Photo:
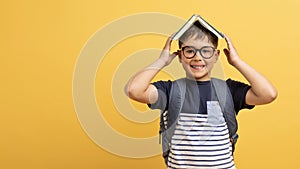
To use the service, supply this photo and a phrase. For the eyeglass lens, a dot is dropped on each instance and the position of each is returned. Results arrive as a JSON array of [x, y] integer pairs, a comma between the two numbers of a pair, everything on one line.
[[206, 51]]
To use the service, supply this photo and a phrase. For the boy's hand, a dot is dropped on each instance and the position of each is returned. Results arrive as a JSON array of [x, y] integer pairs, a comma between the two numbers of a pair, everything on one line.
[[165, 55], [261, 91], [230, 52], [139, 87]]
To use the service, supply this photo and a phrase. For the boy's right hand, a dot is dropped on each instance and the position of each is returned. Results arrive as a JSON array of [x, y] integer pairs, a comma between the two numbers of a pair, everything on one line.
[[139, 87], [165, 55]]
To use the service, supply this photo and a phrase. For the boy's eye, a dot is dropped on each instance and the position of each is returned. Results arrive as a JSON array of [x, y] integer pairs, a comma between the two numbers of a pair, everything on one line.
[[190, 51], [206, 51]]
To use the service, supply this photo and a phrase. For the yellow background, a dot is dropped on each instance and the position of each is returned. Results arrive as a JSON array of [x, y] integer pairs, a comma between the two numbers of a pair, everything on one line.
[[40, 43]]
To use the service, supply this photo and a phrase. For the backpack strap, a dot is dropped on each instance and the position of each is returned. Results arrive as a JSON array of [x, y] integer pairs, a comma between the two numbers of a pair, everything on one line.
[[176, 100], [227, 106]]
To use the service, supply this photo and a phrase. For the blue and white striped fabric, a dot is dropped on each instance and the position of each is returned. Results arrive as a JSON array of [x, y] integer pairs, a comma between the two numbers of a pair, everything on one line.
[[198, 144]]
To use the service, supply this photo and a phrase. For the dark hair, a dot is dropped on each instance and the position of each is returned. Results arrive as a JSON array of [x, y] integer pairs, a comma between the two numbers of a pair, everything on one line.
[[198, 31]]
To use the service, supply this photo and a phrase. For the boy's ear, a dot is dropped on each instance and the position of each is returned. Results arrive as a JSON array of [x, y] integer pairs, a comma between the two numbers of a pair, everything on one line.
[[217, 55], [179, 56]]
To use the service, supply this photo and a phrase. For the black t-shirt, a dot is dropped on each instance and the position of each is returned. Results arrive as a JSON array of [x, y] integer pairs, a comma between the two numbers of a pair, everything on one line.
[[238, 91]]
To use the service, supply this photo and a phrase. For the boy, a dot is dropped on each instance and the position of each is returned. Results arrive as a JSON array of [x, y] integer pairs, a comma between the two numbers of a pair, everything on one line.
[[190, 147]]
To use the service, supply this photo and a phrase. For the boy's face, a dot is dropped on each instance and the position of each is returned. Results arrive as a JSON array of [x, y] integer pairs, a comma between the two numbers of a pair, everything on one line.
[[198, 68]]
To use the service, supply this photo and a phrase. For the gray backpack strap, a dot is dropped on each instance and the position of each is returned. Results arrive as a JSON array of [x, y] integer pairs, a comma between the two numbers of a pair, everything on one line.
[[176, 100], [227, 106]]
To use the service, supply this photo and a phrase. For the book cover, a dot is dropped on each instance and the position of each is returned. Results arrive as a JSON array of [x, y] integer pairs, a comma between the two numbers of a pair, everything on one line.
[[204, 23]]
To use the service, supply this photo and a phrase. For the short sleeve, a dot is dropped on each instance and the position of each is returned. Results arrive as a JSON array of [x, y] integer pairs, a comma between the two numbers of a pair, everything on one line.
[[163, 89], [238, 91]]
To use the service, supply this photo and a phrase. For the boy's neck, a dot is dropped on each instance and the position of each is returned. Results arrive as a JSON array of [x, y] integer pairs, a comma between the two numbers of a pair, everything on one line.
[[199, 80]]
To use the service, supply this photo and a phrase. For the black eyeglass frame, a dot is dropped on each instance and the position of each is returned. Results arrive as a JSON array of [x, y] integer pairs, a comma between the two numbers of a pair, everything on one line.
[[199, 50]]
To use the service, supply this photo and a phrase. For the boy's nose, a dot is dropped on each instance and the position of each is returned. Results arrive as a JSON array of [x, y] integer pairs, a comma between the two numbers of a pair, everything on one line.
[[198, 56]]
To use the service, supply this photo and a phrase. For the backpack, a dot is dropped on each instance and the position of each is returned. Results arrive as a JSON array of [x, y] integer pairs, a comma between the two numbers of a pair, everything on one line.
[[178, 91]]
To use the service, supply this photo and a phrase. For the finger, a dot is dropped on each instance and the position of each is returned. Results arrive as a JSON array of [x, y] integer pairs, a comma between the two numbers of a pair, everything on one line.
[[226, 52], [169, 41], [172, 36], [228, 40], [231, 46], [174, 54], [168, 44], [226, 37]]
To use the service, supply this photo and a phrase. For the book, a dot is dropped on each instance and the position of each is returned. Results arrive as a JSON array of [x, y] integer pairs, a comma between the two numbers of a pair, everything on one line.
[[204, 23]]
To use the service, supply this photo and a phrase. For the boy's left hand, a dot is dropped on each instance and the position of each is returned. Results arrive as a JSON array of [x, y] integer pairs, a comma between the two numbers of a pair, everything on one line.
[[261, 91], [230, 52]]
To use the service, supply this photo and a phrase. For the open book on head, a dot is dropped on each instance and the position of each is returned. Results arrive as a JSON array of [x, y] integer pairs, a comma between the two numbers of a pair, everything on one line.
[[204, 23]]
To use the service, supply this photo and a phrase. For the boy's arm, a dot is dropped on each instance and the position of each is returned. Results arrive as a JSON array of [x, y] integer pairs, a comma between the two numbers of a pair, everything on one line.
[[139, 86], [262, 91]]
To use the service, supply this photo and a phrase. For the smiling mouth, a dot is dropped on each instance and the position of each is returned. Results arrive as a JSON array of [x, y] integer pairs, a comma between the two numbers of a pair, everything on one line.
[[198, 67]]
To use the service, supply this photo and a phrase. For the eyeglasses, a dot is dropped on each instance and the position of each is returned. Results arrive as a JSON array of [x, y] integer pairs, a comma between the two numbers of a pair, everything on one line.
[[206, 51]]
